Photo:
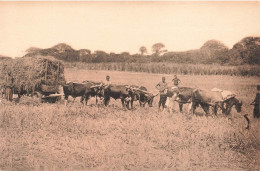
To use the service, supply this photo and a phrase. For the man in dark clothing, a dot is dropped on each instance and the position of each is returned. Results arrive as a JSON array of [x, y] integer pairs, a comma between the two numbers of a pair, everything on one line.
[[256, 103], [2, 91], [176, 81], [9, 87], [161, 86]]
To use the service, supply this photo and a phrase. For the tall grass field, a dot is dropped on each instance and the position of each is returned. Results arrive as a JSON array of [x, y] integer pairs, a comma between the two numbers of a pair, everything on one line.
[[41, 136], [172, 68]]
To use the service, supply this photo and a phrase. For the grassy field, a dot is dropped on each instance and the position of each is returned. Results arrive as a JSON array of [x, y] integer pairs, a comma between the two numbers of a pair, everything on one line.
[[76, 137]]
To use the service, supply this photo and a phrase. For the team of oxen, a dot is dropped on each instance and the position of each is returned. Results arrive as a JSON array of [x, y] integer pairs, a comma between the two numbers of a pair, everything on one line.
[[126, 93], [214, 99], [195, 97]]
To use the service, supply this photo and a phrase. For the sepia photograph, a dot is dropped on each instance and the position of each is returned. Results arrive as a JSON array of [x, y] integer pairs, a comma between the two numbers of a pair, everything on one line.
[[130, 85]]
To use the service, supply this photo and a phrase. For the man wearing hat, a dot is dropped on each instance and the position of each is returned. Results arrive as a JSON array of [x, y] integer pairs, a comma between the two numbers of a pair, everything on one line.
[[161, 86]]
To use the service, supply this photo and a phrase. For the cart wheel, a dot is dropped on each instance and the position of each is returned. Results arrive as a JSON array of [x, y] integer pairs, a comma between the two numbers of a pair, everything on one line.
[[58, 99], [39, 95]]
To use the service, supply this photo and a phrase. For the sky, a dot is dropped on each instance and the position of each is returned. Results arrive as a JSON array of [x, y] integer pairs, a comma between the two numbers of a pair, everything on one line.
[[124, 26]]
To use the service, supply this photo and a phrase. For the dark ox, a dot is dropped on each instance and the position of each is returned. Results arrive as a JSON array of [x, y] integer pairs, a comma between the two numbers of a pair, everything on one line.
[[207, 99], [83, 90], [229, 103], [146, 97], [98, 89], [182, 95], [143, 96], [122, 92]]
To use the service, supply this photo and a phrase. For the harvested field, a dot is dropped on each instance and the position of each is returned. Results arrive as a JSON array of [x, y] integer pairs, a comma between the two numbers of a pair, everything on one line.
[[55, 137]]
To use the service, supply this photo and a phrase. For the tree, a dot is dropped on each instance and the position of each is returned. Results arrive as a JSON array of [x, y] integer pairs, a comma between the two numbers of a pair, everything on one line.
[[84, 51], [125, 54], [143, 50], [33, 50], [157, 48], [100, 56], [84, 55], [248, 49]]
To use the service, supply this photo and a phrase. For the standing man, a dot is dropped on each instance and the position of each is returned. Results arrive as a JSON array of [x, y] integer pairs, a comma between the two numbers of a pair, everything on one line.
[[9, 86], [256, 103], [176, 81], [161, 86], [2, 91], [107, 80], [105, 86]]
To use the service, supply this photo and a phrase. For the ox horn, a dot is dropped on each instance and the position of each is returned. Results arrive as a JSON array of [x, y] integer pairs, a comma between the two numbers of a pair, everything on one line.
[[156, 94], [95, 86], [128, 87], [145, 92], [149, 94]]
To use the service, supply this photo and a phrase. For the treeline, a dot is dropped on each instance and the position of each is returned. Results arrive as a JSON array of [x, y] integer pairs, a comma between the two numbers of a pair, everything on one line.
[[246, 51], [4, 57], [171, 68]]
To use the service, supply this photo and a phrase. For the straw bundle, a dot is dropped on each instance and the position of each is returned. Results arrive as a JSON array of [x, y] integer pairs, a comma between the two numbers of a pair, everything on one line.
[[32, 72]]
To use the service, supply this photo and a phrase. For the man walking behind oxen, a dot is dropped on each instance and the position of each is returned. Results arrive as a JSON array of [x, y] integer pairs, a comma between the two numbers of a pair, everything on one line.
[[256, 103], [9, 86], [176, 81], [161, 86]]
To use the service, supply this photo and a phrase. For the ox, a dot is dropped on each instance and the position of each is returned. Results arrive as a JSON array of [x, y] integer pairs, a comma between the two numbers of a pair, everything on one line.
[[214, 99], [182, 95], [146, 97], [83, 90], [97, 87], [229, 100], [122, 92], [229, 103], [141, 94]]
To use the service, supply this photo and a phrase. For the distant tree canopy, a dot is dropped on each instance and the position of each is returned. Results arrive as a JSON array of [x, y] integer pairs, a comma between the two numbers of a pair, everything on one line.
[[33, 50], [143, 50], [246, 51], [2, 57], [157, 48], [213, 45], [100, 56]]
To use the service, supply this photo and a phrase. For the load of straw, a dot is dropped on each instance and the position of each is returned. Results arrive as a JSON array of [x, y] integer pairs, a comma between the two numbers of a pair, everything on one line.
[[31, 72]]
